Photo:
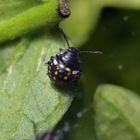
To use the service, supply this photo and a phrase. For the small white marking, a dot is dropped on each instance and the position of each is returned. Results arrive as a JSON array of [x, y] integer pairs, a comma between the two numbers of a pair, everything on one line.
[[63, 58], [55, 62], [54, 78], [61, 66], [67, 69], [75, 72], [66, 56]]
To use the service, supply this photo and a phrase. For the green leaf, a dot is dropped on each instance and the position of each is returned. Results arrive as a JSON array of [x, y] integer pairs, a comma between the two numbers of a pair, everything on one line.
[[15, 7], [117, 113], [27, 97], [27, 21]]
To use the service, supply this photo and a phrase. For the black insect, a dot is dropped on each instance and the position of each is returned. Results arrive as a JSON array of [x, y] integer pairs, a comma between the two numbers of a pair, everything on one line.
[[64, 68]]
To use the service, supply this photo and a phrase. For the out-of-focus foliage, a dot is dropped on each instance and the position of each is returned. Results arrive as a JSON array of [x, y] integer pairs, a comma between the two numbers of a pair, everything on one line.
[[117, 112], [116, 34], [85, 15], [83, 19]]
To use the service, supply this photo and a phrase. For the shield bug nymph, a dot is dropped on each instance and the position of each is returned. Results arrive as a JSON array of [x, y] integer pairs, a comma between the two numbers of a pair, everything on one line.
[[65, 67]]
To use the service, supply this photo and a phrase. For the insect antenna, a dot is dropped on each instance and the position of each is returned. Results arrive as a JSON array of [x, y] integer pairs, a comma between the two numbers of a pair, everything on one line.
[[65, 37], [90, 52]]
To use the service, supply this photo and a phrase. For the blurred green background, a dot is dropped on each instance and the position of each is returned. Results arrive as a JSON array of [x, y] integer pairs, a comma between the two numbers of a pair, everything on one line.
[[114, 30]]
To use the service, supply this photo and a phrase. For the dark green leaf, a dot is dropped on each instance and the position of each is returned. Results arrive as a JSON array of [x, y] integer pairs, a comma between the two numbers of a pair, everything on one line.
[[117, 113]]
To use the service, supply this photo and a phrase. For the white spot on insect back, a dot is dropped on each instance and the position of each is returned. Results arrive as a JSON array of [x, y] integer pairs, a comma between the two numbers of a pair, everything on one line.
[[55, 62], [67, 69], [61, 66], [75, 72], [64, 58]]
